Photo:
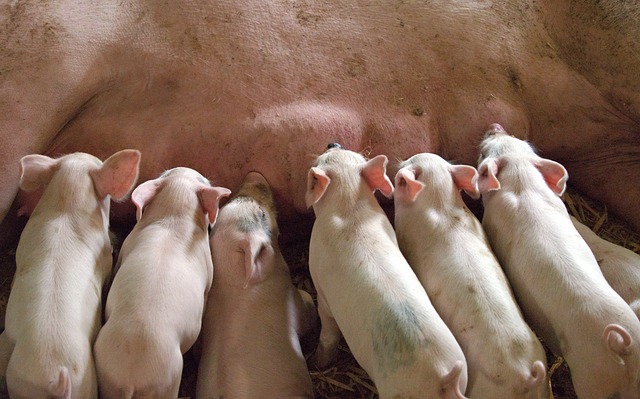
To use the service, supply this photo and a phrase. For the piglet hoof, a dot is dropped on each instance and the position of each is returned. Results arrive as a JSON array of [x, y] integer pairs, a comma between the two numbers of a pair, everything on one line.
[[618, 341], [320, 359]]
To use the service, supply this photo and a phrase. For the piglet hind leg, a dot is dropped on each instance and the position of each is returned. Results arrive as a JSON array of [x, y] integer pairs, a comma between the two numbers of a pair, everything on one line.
[[329, 335], [307, 313], [6, 348]]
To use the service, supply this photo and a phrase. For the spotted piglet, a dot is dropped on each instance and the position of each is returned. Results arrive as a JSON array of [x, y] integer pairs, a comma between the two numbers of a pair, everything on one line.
[[155, 306], [447, 248], [555, 277], [62, 262], [255, 316], [367, 290], [620, 266]]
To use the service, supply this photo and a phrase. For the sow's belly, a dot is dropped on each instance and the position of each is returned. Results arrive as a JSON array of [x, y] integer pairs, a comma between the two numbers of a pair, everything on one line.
[[224, 141]]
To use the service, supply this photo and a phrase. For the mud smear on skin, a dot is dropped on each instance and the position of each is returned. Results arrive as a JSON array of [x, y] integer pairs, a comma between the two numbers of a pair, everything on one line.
[[345, 379]]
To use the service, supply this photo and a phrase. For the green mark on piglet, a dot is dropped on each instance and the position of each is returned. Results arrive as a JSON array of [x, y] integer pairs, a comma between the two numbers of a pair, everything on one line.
[[397, 335]]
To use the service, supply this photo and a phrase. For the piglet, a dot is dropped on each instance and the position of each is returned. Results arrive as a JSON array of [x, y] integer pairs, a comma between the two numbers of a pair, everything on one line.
[[620, 266], [555, 277], [155, 305], [367, 290], [255, 316], [447, 248], [62, 262]]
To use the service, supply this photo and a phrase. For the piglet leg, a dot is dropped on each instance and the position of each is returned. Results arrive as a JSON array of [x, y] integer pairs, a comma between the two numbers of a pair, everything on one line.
[[329, 335]]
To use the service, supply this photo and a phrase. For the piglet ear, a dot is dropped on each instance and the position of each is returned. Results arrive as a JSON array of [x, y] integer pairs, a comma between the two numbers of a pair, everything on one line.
[[407, 186], [375, 174], [143, 194], [555, 175], [488, 170], [466, 178], [36, 171], [210, 200], [317, 183], [257, 257], [118, 174]]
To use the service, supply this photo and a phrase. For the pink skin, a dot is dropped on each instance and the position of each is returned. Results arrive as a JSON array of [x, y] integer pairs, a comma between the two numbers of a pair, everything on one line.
[[367, 291], [620, 266], [230, 87], [155, 305], [62, 262], [554, 275], [255, 316], [447, 249]]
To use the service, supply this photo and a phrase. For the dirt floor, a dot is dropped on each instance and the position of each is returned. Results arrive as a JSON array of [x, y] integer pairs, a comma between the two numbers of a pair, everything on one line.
[[345, 379]]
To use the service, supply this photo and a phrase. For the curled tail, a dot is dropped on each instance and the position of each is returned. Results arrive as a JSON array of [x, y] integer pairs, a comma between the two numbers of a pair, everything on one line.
[[451, 382], [538, 375], [619, 341], [61, 388]]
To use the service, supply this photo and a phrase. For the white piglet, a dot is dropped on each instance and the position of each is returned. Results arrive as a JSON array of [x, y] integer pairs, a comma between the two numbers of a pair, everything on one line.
[[62, 262], [447, 248], [367, 290], [155, 305], [619, 265], [555, 277], [255, 316]]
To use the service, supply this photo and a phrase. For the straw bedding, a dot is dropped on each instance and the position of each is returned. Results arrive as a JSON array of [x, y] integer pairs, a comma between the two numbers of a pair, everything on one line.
[[345, 379]]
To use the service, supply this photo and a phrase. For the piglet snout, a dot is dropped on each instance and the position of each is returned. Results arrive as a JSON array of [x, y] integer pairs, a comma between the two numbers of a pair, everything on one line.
[[332, 146]]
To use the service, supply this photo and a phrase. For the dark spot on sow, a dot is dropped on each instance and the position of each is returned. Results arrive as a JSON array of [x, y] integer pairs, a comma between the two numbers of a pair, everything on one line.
[[514, 78]]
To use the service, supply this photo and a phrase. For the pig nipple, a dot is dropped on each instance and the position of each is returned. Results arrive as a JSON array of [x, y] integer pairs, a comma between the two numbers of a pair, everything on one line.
[[495, 128], [332, 146]]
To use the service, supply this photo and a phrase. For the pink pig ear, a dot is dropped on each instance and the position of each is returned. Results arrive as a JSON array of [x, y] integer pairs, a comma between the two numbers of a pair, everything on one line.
[[118, 174], [555, 175], [488, 170], [407, 186], [210, 200], [466, 178], [375, 174], [257, 257], [143, 194], [36, 171], [317, 183]]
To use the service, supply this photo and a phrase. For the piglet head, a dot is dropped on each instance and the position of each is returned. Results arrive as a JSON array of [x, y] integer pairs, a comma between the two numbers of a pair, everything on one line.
[[208, 196], [340, 161], [553, 173], [430, 169]]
